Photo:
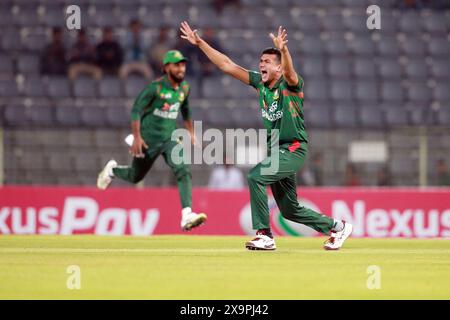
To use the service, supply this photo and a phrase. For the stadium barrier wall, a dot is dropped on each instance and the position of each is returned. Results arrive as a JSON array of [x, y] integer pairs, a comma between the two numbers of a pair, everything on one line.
[[142, 212]]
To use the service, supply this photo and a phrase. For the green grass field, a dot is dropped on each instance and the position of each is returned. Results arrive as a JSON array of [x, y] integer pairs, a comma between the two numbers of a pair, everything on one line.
[[205, 267]]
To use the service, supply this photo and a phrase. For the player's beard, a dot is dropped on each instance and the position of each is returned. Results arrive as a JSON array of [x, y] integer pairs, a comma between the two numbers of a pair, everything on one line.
[[176, 78]]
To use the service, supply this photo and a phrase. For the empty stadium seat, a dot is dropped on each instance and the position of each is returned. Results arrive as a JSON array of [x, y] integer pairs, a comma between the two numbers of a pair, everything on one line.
[[308, 23], [6, 65], [316, 90], [339, 68], [118, 117], [390, 69], [134, 85], [364, 68], [84, 88], [392, 92], [68, 116], [110, 88], [362, 46], [410, 23], [341, 91], [440, 68], [213, 87], [396, 116], [441, 93], [439, 47], [8, 88], [388, 46], [15, 115], [435, 23], [58, 87], [345, 117], [313, 68], [28, 64], [371, 117], [93, 116], [419, 92], [366, 91], [42, 116], [318, 116], [414, 47], [221, 117], [417, 69]]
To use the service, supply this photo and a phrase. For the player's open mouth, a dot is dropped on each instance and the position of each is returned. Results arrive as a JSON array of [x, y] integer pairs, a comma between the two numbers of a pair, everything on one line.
[[263, 71]]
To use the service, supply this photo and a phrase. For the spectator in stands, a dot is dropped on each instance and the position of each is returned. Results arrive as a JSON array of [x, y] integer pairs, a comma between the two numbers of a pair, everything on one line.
[[351, 176], [443, 175], [82, 58], [162, 45], [219, 5], [53, 59], [226, 177], [136, 53], [109, 53], [384, 177]]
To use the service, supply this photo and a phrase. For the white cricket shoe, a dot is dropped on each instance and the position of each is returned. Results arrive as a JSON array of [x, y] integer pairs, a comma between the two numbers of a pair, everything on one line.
[[106, 175], [337, 239], [261, 242], [192, 220]]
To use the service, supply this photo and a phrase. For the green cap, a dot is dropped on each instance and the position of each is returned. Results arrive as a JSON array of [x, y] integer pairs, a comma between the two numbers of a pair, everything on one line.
[[173, 56]]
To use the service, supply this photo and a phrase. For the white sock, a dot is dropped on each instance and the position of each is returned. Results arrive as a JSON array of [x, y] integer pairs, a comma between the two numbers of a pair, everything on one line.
[[338, 225], [186, 211]]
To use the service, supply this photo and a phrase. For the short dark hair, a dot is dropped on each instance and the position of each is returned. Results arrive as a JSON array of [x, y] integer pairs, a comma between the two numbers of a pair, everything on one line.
[[274, 51]]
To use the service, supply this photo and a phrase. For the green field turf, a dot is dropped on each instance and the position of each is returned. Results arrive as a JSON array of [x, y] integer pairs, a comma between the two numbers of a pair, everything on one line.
[[205, 267]]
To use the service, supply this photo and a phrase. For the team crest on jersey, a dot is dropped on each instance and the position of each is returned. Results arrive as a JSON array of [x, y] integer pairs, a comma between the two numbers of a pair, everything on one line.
[[276, 95]]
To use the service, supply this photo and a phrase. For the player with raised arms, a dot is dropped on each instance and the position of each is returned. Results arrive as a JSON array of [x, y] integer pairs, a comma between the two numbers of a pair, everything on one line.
[[280, 91]]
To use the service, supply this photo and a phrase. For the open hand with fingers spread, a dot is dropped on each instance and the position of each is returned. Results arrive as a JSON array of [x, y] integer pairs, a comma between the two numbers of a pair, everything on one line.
[[280, 41], [189, 34]]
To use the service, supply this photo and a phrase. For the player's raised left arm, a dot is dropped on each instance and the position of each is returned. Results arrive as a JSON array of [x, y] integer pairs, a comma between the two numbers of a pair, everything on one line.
[[280, 41]]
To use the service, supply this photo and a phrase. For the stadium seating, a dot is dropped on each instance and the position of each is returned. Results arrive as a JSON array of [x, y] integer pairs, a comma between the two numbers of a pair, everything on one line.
[[354, 78]]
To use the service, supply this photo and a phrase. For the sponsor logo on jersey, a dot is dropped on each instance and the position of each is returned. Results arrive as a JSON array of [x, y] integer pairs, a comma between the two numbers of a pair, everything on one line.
[[273, 107], [168, 111], [272, 117]]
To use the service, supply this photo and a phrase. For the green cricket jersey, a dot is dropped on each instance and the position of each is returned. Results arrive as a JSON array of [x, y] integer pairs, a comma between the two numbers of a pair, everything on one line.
[[282, 108], [157, 108]]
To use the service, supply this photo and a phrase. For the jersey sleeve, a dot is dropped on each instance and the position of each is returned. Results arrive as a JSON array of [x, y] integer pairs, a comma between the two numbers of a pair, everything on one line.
[[255, 78], [296, 88], [144, 98]]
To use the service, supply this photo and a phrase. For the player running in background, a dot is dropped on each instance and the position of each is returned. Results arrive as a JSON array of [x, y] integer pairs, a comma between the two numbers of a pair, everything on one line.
[[153, 118], [280, 91]]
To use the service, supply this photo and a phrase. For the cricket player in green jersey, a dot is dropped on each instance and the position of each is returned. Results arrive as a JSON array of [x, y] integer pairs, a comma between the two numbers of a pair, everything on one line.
[[280, 91], [153, 120]]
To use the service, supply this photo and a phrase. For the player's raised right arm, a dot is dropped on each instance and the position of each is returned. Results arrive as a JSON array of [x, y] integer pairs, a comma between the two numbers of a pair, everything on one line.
[[222, 61]]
